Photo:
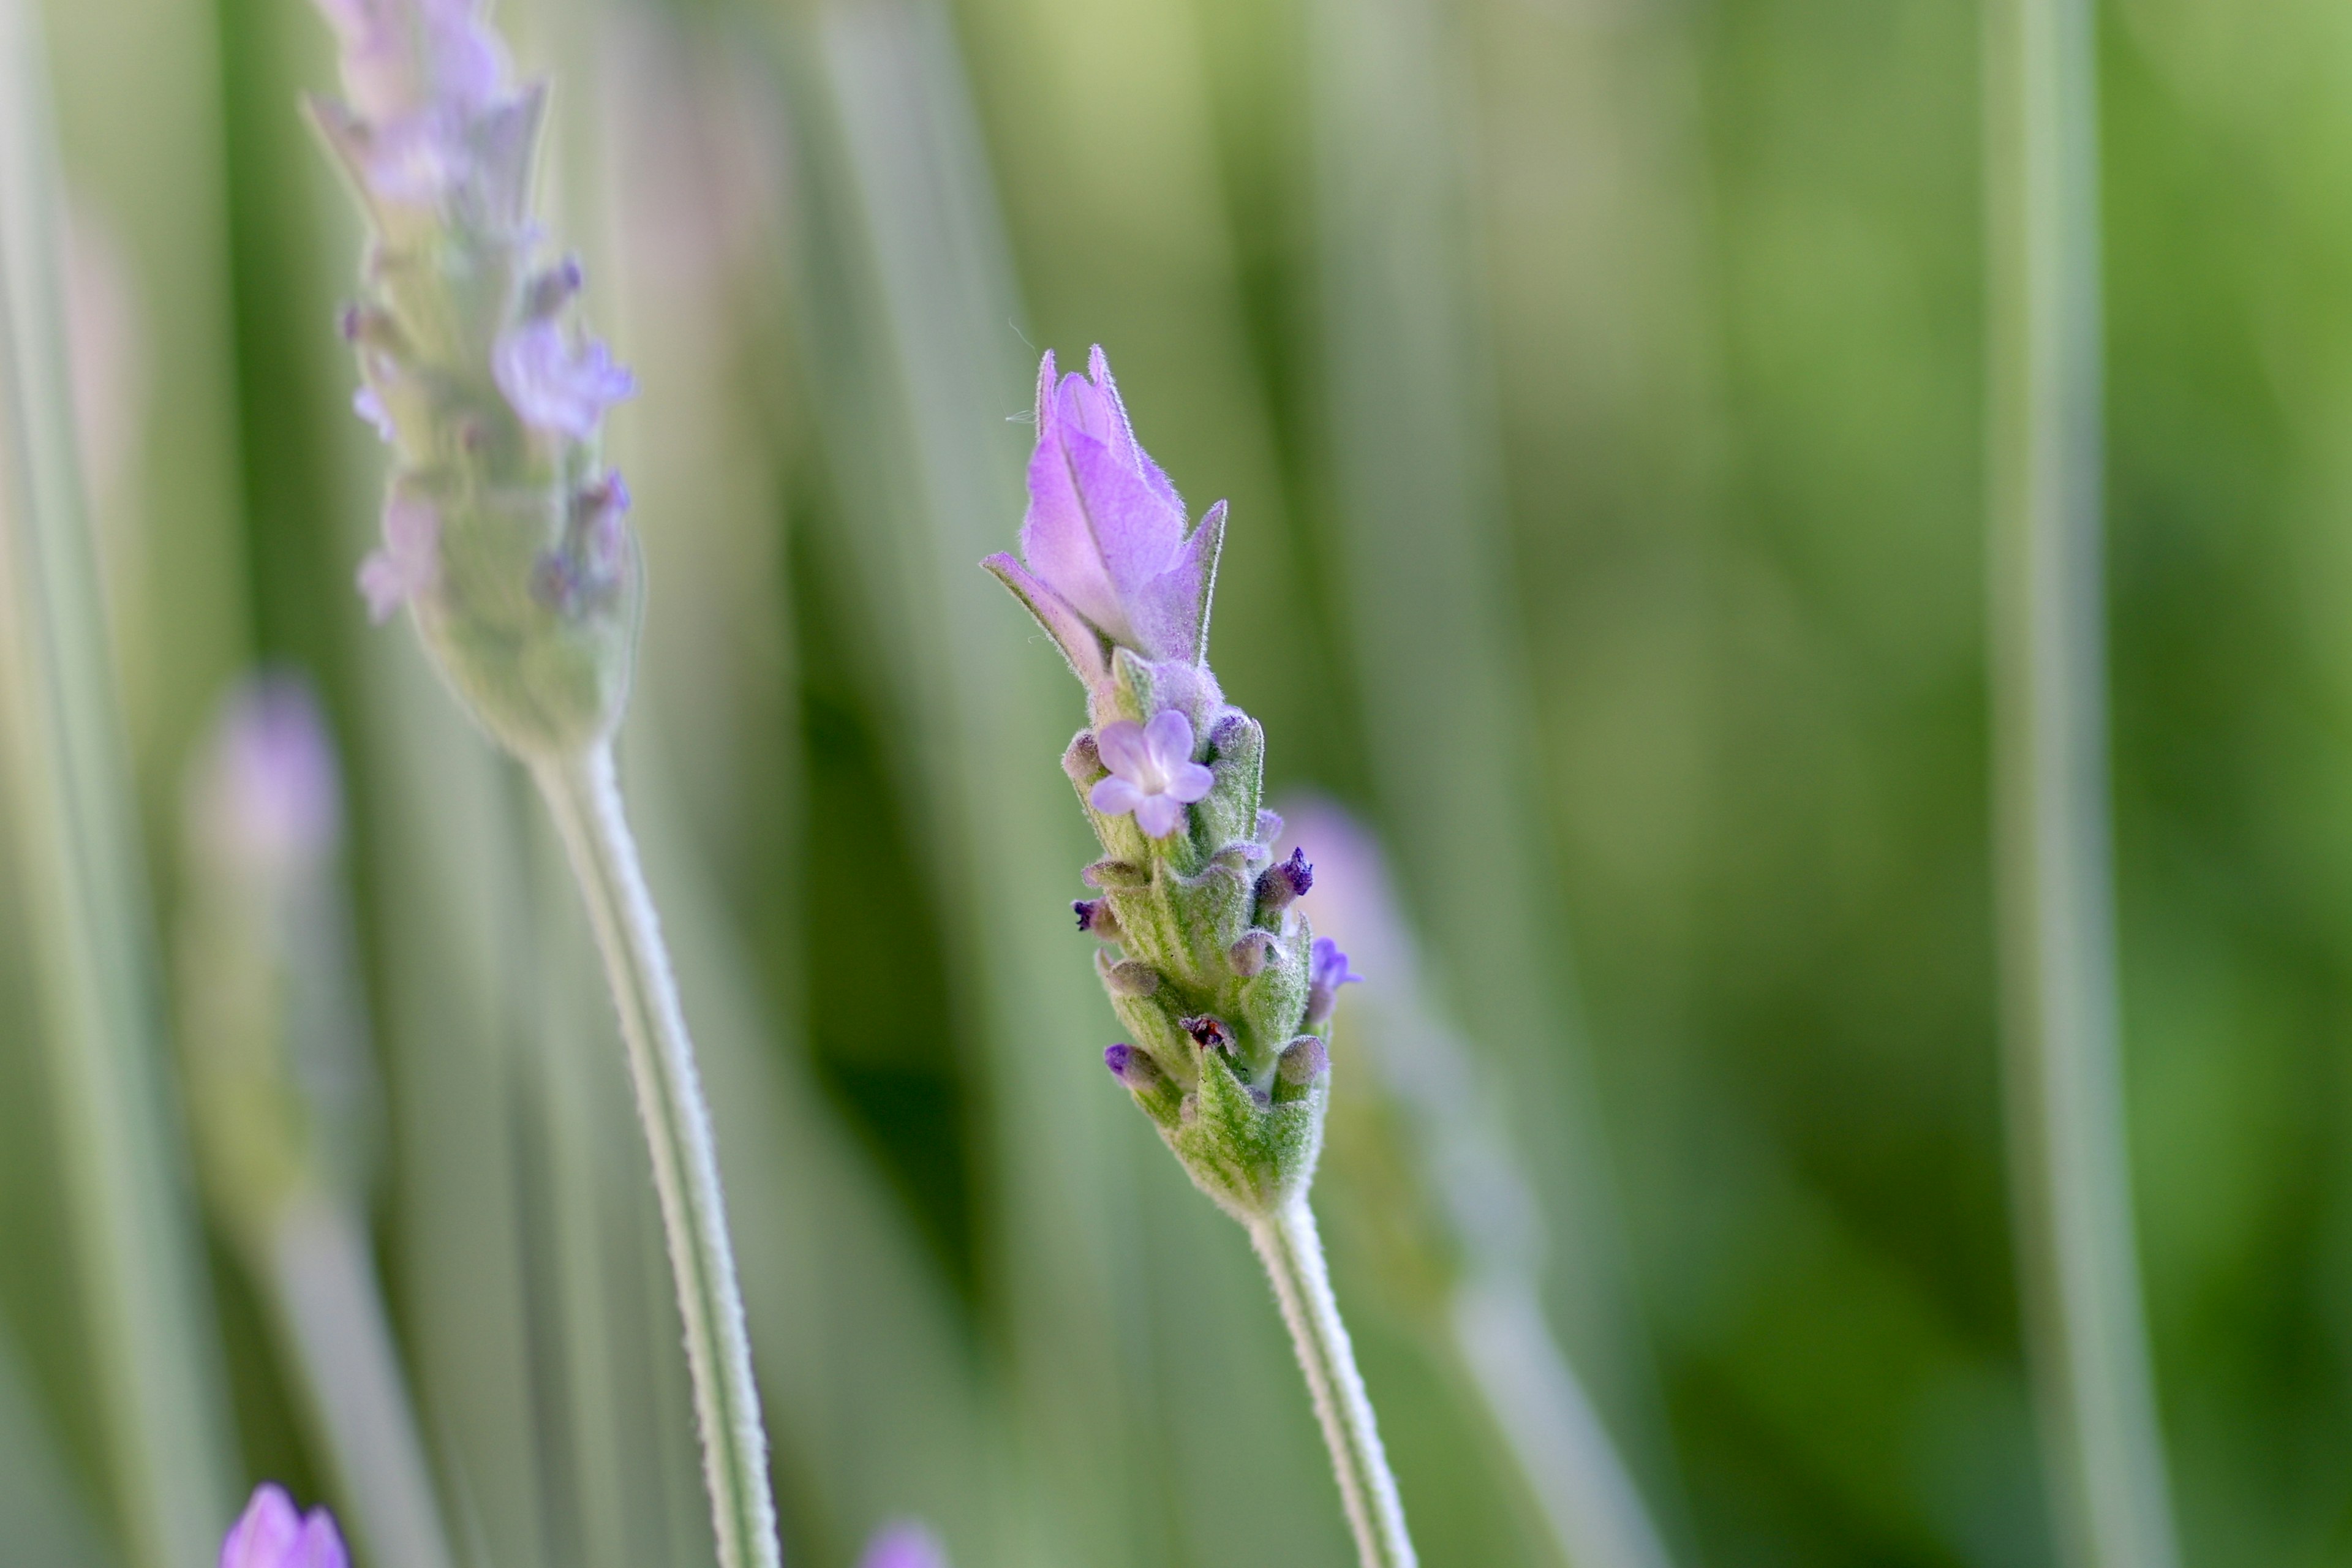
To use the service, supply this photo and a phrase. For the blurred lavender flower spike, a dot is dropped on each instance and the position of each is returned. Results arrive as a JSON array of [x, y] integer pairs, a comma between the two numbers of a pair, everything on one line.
[[1327, 970], [1107, 558], [554, 386], [269, 798], [272, 1534], [904, 1545], [401, 55], [1152, 773]]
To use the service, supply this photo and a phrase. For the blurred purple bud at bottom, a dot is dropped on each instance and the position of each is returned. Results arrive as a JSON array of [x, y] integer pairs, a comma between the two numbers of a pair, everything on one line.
[[272, 1534], [904, 1545]]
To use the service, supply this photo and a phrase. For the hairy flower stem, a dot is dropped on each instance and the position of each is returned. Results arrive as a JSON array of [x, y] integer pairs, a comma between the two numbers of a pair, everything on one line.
[[585, 798], [1293, 1253]]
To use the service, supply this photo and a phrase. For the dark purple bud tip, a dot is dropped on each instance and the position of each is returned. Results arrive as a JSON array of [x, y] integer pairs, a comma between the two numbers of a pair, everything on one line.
[[1282, 885], [553, 289], [1208, 1033], [350, 323], [1084, 909], [1130, 1067], [1082, 760], [1304, 1060]]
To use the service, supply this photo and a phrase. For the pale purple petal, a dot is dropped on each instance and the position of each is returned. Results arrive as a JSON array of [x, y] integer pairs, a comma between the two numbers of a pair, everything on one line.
[[1169, 738], [1080, 643], [1190, 782], [1125, 749], [1158, 815], [1171, 613], [320, 1545], [1138, 533], [1058, 541], [1115, 797], [551, 386], [264, 1532], [370, 407], [905, 1545], [1098, 367], [410, 561]]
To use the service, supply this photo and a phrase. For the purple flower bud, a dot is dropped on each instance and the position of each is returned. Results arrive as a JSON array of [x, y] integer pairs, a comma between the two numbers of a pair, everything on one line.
[[905, 1545], [1152, 772], [410, 561], [1304, 1060], [271, 1534], [1081, 761], [553, 387], [1097, 919], [1105, 548], [1130, 1067], [269, 796], [1282, 884], [1327, 970], [1208, 1033], [1248, 956], [553, 289]]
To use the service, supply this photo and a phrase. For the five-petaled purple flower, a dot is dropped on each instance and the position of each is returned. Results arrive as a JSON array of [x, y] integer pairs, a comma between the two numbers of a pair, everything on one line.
[[410, 560], [1327, 970], [554, 386], [272, 1534], [904, 1545], [1107, 553], [1152, 772]]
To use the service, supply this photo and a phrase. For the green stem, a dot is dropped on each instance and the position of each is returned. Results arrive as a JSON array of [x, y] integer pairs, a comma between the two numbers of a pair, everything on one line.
[[324, 1280], [1293, 1253], [2071, 1176], [586, 800], [147, 1316]]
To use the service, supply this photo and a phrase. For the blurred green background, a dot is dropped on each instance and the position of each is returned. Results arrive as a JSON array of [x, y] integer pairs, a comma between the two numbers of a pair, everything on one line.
[[1597, 385]]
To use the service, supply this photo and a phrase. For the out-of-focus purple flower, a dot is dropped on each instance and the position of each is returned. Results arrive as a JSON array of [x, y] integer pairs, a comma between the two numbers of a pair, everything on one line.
[[1104, 552], [410, 560], [270, 796], [403, 56], [1327, 970], [370, 407], [905, 1545], [272, 1534], [1152, 772], [552, 386]]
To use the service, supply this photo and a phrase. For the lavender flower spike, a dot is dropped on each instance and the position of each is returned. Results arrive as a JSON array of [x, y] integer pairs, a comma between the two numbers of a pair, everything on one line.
[[1216, 974], [1107, 558], [270, 1533]]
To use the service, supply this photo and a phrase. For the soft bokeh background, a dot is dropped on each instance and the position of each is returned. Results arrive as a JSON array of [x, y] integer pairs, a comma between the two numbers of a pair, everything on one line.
[[1597, 387]]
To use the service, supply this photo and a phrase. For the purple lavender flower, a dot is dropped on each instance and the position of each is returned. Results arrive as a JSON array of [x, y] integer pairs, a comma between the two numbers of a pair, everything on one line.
[[270, 796], [905, 1545], [271, 1534], [1152, 772], [410, 560], [1327, 970], [553, 387], [1107, 552]]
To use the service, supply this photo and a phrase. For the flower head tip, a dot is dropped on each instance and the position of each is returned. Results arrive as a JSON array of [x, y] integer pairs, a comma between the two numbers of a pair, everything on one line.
[[272, 1534]]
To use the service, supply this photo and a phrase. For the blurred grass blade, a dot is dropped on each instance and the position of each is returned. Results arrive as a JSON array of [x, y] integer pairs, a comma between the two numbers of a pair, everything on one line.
[[138, 1263], [1428, 593], [2071, 1174], [41, 1517]]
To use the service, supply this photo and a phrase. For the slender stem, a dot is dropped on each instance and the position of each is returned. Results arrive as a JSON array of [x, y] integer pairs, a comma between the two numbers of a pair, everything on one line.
[[328, 1295], [2071, 1177], [154, 1377], [1293, 1253], [1580, 1484], [586, 800]]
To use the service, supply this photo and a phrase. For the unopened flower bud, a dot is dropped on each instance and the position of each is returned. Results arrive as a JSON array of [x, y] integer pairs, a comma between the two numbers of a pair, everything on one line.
[[1249, 956], [1082, 760], [1128, 978], [272, 1534], [1304, 1060], [1281, 886], [1097, 919], [1131, 1067], [552, 289], [1108, 873]]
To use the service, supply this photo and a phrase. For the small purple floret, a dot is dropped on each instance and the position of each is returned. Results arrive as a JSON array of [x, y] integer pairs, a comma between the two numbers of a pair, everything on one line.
[[272, 1534], [1327, 970], [552, 385], [410, 561], [1152, 772], [1132, 1068]]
